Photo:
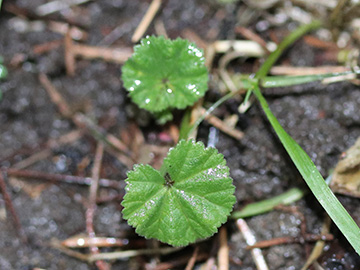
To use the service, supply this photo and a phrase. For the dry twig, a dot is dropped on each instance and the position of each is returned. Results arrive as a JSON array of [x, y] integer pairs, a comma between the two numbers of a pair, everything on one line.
[[247, 33], [72, 253], [290, 240], [55, 6], [63, 28], [90, 211], [132, 253], [303, 238], [146, 20], [10, 208], [61, 178], [194, 37], [85, 242], [223, 254], [191, 262], [219, 124], [178, 262], [55, 96], [319, 246], [300, 71], [47, 46], [247, 48], [250, 240], [160, 28], [73, 50]]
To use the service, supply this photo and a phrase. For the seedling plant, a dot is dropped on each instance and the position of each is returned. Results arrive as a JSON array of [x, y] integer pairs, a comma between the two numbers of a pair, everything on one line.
[[192, 194]]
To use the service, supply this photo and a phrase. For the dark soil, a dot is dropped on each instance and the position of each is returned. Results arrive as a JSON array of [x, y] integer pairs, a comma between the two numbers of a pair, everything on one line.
[[324, 120]]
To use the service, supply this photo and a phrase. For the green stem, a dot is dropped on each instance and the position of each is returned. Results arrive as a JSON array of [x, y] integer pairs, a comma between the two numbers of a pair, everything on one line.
[[210, 110]]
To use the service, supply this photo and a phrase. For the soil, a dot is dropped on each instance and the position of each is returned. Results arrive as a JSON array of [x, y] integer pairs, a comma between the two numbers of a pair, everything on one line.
[[324, 120]]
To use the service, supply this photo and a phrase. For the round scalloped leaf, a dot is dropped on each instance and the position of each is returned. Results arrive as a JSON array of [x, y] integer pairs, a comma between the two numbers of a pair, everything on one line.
[[187, 200], [164, 73]]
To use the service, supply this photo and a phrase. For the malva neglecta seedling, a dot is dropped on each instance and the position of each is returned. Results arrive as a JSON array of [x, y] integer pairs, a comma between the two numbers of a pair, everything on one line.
[[192, 194]]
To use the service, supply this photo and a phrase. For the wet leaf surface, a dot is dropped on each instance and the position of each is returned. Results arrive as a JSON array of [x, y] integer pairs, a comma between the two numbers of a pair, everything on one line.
[[165, 74], [188, 200]]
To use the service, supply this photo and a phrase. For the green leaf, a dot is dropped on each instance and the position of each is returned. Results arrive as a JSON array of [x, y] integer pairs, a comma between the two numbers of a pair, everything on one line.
[[187, 200], [165, 73]]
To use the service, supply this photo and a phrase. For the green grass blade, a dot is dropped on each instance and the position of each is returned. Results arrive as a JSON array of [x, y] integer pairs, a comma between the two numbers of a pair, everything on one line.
[[290, 39], [313, 178], [264, 206]]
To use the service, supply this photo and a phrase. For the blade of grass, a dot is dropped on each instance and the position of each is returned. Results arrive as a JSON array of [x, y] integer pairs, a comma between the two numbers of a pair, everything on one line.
[[313, 178], [257, 208], [290, 39]]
